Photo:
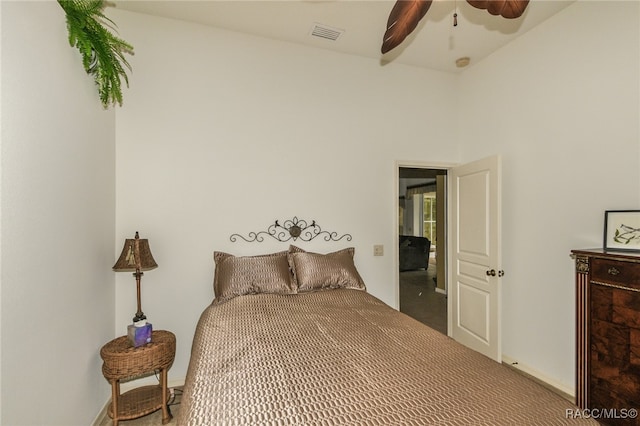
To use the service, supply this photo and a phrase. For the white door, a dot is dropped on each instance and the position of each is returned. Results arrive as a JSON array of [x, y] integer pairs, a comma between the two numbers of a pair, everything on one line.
[[474, 310]]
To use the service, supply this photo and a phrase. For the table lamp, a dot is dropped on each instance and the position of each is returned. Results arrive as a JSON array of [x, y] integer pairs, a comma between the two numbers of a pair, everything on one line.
[[136, 256]]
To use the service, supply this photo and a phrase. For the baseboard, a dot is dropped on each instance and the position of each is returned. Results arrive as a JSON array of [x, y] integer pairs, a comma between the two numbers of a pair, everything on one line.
[[103, 414], [440, 290], [553, 385]]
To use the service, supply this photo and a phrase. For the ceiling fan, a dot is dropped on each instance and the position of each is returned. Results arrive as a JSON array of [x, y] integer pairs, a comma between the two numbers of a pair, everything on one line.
[[406, 14]]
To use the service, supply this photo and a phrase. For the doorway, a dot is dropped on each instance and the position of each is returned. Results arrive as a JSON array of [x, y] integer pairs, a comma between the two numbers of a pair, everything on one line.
[[422, 245]]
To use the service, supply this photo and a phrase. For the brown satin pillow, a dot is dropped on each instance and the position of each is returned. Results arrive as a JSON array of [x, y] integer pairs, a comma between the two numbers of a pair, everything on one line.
[[314, 271], [237, 276]]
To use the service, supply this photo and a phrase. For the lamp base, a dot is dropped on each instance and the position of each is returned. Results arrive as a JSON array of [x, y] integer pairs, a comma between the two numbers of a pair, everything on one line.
[[139, 317], [139, 336]]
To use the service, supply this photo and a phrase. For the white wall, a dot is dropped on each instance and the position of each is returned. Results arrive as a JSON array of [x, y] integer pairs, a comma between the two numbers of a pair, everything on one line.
[[561, 105], [57, 212], [224, 133]]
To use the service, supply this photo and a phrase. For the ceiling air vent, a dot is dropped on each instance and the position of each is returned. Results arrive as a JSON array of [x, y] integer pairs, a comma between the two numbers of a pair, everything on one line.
[[323, 31]]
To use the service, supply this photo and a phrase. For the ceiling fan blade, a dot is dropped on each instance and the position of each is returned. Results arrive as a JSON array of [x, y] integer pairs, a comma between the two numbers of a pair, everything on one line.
[[403, 19], [506, 8]]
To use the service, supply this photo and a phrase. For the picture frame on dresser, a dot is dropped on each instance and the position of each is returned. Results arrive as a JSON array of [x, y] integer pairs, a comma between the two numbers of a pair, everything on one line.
[[622, 230]]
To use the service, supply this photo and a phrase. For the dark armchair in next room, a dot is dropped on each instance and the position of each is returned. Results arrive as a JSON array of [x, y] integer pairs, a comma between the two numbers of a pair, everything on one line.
[[414, 252]]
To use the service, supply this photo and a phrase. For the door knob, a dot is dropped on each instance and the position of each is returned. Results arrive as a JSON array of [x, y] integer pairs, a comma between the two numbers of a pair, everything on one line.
[[491, 273]]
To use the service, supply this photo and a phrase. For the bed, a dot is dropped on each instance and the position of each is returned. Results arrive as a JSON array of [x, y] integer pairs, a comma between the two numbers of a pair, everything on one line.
[[294, 338]]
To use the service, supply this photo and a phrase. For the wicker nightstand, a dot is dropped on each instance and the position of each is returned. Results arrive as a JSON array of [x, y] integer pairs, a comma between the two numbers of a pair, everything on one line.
[[123, 361]]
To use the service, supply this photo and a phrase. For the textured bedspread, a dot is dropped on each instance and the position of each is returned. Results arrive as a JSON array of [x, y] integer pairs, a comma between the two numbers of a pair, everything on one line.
[[343, 357]]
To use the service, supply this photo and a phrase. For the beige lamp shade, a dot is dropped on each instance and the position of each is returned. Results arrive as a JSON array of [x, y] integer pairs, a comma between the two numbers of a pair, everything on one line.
[[136, 256]]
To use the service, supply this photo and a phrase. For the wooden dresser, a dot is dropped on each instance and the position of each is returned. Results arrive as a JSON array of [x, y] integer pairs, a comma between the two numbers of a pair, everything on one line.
[[608, 334]]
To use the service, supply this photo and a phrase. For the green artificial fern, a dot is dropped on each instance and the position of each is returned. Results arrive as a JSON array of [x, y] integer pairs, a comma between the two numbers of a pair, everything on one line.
[[102, 52]]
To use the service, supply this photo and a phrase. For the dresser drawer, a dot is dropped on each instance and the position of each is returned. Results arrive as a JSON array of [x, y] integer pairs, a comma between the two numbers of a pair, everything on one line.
[[625, 274]]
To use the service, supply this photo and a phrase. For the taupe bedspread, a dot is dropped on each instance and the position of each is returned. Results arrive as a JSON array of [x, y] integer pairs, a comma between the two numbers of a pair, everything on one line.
[[343, 357]]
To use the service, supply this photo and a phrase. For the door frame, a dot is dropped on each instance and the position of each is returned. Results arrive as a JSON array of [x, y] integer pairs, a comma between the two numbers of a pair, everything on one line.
[[420, 165], [448, 229]]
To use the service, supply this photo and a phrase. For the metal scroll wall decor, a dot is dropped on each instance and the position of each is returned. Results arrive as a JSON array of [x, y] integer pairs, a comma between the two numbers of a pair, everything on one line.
[[292, 229]]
